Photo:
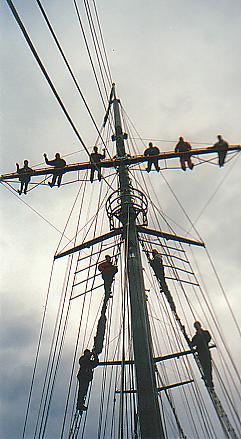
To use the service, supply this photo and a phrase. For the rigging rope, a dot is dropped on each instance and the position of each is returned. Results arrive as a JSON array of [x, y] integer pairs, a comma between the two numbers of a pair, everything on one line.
[[37, 353], [44, 71], [88, 50], [5, 184], [96, 46], [68, 66]]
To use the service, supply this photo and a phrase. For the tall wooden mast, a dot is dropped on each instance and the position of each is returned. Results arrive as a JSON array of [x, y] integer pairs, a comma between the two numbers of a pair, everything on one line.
[[147, 399]]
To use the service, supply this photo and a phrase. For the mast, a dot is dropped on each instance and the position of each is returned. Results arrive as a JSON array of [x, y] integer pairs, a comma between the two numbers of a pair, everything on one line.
[[147, 399]]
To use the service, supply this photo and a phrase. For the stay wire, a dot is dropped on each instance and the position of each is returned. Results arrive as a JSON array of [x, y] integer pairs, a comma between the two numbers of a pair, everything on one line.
[[56, 366], [89, 53], [223, 291], [68, 66], [43, 390], [37, 353], [219, 185], [103, 43], [44, 71], [53, 363], [96, 46], [8, 187]]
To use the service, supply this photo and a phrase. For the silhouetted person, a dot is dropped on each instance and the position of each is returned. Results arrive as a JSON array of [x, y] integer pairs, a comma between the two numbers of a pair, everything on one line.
[[200, 342], [58, 171], [183, 146], [222, 147], [87, 363], [108, 271], [157, 265], [95, 159], [23, 178], [150, 152]]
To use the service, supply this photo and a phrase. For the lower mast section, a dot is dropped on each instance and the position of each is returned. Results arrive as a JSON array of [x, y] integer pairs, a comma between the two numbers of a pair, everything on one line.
[[148, 405]]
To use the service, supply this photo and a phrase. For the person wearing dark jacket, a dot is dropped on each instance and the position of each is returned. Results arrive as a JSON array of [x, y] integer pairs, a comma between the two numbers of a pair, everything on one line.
[[184, 147], [58, 171], [150, 152], [108, 271], [23, 177], [87, 363], [200, 342], [222, 148], [95, 159]]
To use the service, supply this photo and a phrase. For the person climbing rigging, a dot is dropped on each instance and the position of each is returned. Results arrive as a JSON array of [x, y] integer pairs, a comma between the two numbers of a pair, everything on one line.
[[150, 152], [24, 178], [157, 265], [222, 149], [87, 363], [95, 159], [108, 271], [200, 342], [58, 171], [183, 146]]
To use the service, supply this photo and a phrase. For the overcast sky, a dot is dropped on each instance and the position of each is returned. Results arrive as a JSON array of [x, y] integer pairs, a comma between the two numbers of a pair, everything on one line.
[[177, 69]]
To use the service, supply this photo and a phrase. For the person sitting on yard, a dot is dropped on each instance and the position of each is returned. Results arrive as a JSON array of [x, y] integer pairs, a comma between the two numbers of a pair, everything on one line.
[[95, 159], [150, 152], [184, 147], [24, 178], [58, 171], [222, 149]]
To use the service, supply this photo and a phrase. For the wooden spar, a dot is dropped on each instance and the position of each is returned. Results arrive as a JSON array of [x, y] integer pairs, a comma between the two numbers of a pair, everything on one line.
[[88, 244], [159, 389], [168, 236], [119, 231], [116, 162], [156, 359]]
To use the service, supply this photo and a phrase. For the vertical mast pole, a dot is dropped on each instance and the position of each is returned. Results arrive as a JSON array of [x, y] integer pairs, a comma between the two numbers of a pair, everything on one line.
[[148, 406]]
